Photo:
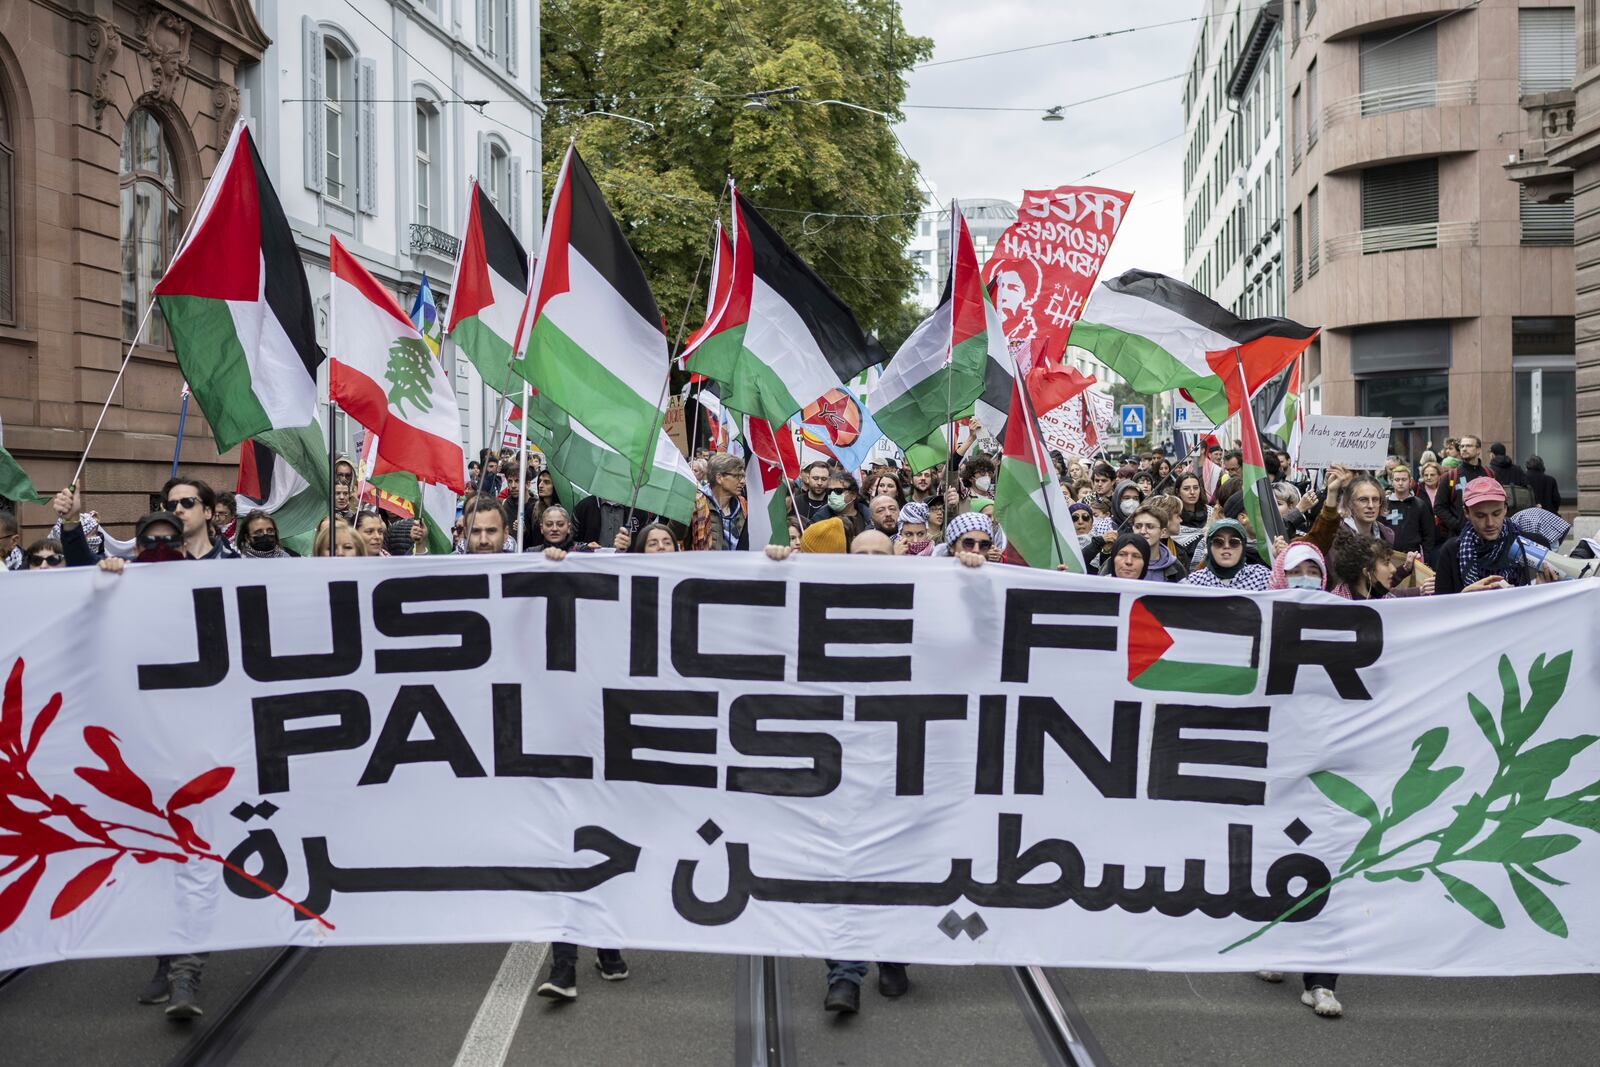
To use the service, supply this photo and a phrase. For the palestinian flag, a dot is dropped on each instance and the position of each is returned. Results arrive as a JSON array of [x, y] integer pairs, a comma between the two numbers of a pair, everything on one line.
[[1190, 644], [939, 371], [269, 484], [489, 294], [716, 293], [1160, 334], [241, 317], [1260, 505], [590, 467], [770, 461], [435, 502], [780, 338], [386, 377], [596, 347], [1027, 501], [14, 482]]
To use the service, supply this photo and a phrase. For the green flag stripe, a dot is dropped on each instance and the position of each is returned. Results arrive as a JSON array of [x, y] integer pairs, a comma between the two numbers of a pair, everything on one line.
[[750, 387], [490, 353], [15, 483], [1149, 368], [611, 409], [214, 363]]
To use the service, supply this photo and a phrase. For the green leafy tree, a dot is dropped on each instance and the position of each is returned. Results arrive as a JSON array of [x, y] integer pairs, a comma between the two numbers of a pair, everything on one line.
[[410, 374], [687, 67]]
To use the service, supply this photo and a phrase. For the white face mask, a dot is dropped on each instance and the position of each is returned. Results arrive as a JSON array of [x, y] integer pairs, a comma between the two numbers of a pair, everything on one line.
[[982, 483], [1304, 581], [1128, 507]]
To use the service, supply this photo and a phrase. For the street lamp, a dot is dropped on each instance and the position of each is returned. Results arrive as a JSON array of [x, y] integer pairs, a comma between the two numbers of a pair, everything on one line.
[[856, 107], [624, 118], [1053, 114]]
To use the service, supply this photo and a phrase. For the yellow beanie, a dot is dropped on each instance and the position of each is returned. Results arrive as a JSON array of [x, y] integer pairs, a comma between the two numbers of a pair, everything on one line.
[[824, 536]]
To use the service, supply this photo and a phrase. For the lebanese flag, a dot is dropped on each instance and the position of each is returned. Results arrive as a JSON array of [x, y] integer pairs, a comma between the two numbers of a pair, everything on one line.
[[384, 375], [1158, 334], [769, 462]]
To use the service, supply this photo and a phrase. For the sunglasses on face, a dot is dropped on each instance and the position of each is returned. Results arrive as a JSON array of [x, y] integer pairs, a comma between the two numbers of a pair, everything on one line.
[[185, 502], [1227, 542], [973, 544], [52, 560]]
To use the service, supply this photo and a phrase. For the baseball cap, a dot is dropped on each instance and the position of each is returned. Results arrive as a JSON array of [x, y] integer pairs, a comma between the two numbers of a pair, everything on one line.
[[1481, 489], [158, 518]]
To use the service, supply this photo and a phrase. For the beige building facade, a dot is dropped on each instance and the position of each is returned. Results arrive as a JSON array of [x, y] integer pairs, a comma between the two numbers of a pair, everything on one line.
[[1442, 287], [112, 114]]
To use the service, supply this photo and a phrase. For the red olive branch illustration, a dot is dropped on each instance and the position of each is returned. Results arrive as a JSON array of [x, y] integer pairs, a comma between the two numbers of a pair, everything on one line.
[[30, 837]]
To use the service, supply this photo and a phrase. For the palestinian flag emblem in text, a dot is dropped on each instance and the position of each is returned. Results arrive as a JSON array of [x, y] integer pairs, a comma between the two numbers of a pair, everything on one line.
[[1194, 644]]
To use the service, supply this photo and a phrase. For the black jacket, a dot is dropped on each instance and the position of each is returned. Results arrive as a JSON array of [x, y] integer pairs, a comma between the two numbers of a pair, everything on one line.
[[1546, 494], [1411, 520], [1447, 576], [1507, 472]]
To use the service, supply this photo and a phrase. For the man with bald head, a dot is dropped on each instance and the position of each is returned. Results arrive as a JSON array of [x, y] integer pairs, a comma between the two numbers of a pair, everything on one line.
[[872, 542]]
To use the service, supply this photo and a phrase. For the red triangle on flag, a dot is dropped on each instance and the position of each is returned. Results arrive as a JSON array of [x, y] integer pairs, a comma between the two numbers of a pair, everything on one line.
[[1148, 640]]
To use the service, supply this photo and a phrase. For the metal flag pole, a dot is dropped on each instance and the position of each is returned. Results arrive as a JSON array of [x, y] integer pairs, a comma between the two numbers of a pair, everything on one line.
[[949, 369], [127, 356], [522, 474], [183, 415]]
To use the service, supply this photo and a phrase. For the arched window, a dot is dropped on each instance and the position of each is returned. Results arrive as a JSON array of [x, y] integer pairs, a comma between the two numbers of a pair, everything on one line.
[[497, 182], [429, 160], [152, 220], [8, 274]]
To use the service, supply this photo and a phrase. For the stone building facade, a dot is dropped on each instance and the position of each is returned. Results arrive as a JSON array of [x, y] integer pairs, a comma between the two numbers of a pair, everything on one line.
[[112, 114]]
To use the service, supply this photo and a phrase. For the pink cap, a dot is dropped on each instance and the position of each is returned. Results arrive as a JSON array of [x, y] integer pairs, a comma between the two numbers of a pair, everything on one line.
[[1480, 489]]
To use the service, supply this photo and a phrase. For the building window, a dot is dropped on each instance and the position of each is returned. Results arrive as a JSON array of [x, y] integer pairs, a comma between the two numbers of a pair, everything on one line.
[[1296, 124], [152, 221], [497, 31], [1311, 105], [1545, 224], [1400, 206], [8, 276], [427, 160], [1546, 52], [1314, 233], [340, 74], [1399, 69], [1545, 347], [1299, 249], [498, 181]]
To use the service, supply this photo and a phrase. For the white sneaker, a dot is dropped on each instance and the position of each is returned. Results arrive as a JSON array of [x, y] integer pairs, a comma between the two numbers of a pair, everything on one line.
[[1323, 1002], [1270, 976]]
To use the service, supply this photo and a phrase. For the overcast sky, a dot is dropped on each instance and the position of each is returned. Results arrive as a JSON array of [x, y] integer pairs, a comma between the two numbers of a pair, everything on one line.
[[998, 154]]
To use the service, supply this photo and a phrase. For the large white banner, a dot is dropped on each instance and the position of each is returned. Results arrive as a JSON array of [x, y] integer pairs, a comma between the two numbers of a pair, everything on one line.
[[859, 758]]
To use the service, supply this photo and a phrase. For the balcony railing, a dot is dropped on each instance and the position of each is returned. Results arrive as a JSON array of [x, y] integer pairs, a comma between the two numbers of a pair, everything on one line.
[[431, 239], [1398, 238], [1401, 98]]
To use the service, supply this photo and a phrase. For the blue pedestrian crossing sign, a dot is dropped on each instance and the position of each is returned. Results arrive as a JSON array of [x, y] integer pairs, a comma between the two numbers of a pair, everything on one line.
[[1133, 420]]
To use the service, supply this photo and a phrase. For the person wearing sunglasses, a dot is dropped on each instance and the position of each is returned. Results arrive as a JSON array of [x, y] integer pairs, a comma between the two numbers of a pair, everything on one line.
[[969, 537], [1225, 566], [193, 502], [44, 554]]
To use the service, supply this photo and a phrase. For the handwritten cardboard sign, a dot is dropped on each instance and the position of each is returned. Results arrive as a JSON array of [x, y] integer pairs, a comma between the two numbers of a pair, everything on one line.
[[1349, 440]]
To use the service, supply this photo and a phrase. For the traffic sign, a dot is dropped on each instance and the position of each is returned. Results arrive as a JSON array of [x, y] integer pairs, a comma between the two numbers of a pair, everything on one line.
[[1133, 420], [1189, 417]]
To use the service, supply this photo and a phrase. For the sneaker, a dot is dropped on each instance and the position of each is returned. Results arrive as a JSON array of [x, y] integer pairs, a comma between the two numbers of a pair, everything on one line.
[[159, 987], [843, 997], [893, 980], [1270, 976], [1318, 999], [611, 965], [561, 983], [184, 1003]]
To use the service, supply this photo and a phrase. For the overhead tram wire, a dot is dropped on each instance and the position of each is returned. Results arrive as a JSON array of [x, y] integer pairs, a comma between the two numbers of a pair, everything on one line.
[[437, 78]]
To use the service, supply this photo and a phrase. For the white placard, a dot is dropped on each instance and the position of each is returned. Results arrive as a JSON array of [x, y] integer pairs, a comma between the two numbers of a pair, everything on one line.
[[1348, 440], [850, 757]]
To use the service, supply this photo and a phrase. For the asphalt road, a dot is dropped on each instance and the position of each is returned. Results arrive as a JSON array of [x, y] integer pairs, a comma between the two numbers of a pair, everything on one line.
[[472, 1005]]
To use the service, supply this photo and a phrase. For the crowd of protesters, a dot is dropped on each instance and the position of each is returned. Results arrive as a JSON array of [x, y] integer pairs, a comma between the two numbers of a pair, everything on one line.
[[1452, 523]]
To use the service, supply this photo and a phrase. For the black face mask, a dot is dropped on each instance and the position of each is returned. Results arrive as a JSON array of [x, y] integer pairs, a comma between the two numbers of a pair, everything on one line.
[[264, 542]]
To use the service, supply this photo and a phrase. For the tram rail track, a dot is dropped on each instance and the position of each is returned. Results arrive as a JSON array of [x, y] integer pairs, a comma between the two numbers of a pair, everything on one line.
[[231, 1027]]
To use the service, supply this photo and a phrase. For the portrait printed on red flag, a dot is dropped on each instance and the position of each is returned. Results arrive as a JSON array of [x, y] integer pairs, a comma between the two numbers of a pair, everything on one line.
[[1044, 265]]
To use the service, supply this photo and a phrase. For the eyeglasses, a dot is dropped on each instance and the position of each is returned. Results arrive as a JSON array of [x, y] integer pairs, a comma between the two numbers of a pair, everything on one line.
[[52, 560], [1226, 542], [1145, 527], [187, 503], [972, 544]]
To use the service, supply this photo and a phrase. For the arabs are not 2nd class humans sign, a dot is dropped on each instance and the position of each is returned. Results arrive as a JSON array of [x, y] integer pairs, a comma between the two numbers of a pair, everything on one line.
[[866, 759]]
